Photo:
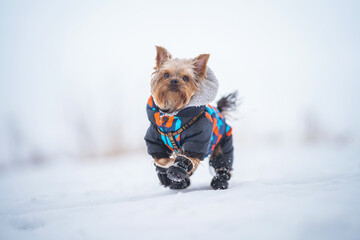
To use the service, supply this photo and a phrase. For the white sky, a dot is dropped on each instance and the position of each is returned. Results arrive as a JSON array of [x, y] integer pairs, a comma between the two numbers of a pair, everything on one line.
[[66, 60]]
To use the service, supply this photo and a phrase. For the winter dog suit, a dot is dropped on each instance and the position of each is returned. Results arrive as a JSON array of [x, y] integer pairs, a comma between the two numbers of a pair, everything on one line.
[[194, 131]]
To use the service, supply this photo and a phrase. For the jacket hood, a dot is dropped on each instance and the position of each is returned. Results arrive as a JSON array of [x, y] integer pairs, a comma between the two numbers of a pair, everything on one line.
[[207, 91]]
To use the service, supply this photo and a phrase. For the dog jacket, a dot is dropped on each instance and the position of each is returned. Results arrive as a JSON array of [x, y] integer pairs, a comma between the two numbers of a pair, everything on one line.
[[201, 129]]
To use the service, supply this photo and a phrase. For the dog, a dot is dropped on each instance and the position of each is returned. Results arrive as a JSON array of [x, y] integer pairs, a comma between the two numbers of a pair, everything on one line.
[[184, 129]]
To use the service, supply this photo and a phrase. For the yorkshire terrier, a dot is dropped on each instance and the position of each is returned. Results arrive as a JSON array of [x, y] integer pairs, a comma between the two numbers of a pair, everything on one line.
[[184, 128]]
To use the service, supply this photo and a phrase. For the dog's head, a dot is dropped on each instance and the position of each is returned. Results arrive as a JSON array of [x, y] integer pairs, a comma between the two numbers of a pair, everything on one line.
[[175, 81]]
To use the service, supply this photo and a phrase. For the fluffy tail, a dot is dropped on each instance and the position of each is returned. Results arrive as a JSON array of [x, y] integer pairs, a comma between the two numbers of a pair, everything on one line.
[[228, 103]]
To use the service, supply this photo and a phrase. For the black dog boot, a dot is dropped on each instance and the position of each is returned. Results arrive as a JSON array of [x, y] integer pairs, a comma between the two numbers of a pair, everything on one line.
[[180, 169], [180, 185], [161, 172], [220, 181]]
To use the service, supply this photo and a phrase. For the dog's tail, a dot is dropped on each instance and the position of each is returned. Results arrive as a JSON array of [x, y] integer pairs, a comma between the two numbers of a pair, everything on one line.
[[228, 103]]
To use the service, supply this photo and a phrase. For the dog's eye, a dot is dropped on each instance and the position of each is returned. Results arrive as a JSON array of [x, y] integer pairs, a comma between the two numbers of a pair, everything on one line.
[[166, 75], [185, 78]]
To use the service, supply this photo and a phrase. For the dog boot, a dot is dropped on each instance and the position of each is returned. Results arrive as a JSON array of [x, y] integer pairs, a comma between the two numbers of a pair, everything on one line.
[[181, 168], [161, 172], [180, 185], [220, 181]]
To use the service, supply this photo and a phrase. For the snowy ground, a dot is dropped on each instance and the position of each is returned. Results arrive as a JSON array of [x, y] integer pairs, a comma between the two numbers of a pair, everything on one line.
[[297, 193]]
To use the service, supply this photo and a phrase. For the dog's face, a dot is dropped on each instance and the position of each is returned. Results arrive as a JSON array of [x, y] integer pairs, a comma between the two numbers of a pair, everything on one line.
[[175, 81]]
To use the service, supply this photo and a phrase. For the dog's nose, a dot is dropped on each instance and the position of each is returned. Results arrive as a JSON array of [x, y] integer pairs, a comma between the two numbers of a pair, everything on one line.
[[173, 81]]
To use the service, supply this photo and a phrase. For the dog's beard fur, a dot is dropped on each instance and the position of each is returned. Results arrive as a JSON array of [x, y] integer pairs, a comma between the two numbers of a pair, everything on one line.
[[169, 97]]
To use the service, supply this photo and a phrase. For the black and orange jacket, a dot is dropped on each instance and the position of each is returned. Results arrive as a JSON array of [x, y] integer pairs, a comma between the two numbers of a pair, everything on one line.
[[198, 140]]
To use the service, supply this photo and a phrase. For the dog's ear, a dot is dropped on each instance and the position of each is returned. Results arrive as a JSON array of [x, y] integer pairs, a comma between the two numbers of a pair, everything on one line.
[[162, 55], [200, 64]]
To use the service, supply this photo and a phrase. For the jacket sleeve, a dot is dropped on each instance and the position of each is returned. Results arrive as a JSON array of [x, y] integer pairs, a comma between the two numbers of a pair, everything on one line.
[[196, 139], [155, 146]]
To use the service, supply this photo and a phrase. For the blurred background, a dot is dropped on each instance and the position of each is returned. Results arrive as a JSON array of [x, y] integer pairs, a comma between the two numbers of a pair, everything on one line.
[[74, 83], [74, 75]]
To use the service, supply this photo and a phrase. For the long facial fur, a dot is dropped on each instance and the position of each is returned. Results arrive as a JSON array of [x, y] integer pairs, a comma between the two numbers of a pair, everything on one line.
[[168, 100]]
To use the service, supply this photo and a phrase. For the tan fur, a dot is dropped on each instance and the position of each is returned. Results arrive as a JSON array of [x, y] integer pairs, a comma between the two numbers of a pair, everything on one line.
[[164, 162], [167, 162], [200, 64], [162, 56], [217, 151], [196, 163], [174, 100]]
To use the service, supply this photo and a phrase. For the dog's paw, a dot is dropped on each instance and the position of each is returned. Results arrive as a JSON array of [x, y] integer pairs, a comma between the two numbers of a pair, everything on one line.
[[220, 181], [180, 169], [180, 185], [216, 184], [176, 173], [161, 173]]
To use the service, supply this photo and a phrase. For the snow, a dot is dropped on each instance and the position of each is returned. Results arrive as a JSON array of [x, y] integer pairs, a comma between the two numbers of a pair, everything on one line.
[[277, 193]]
